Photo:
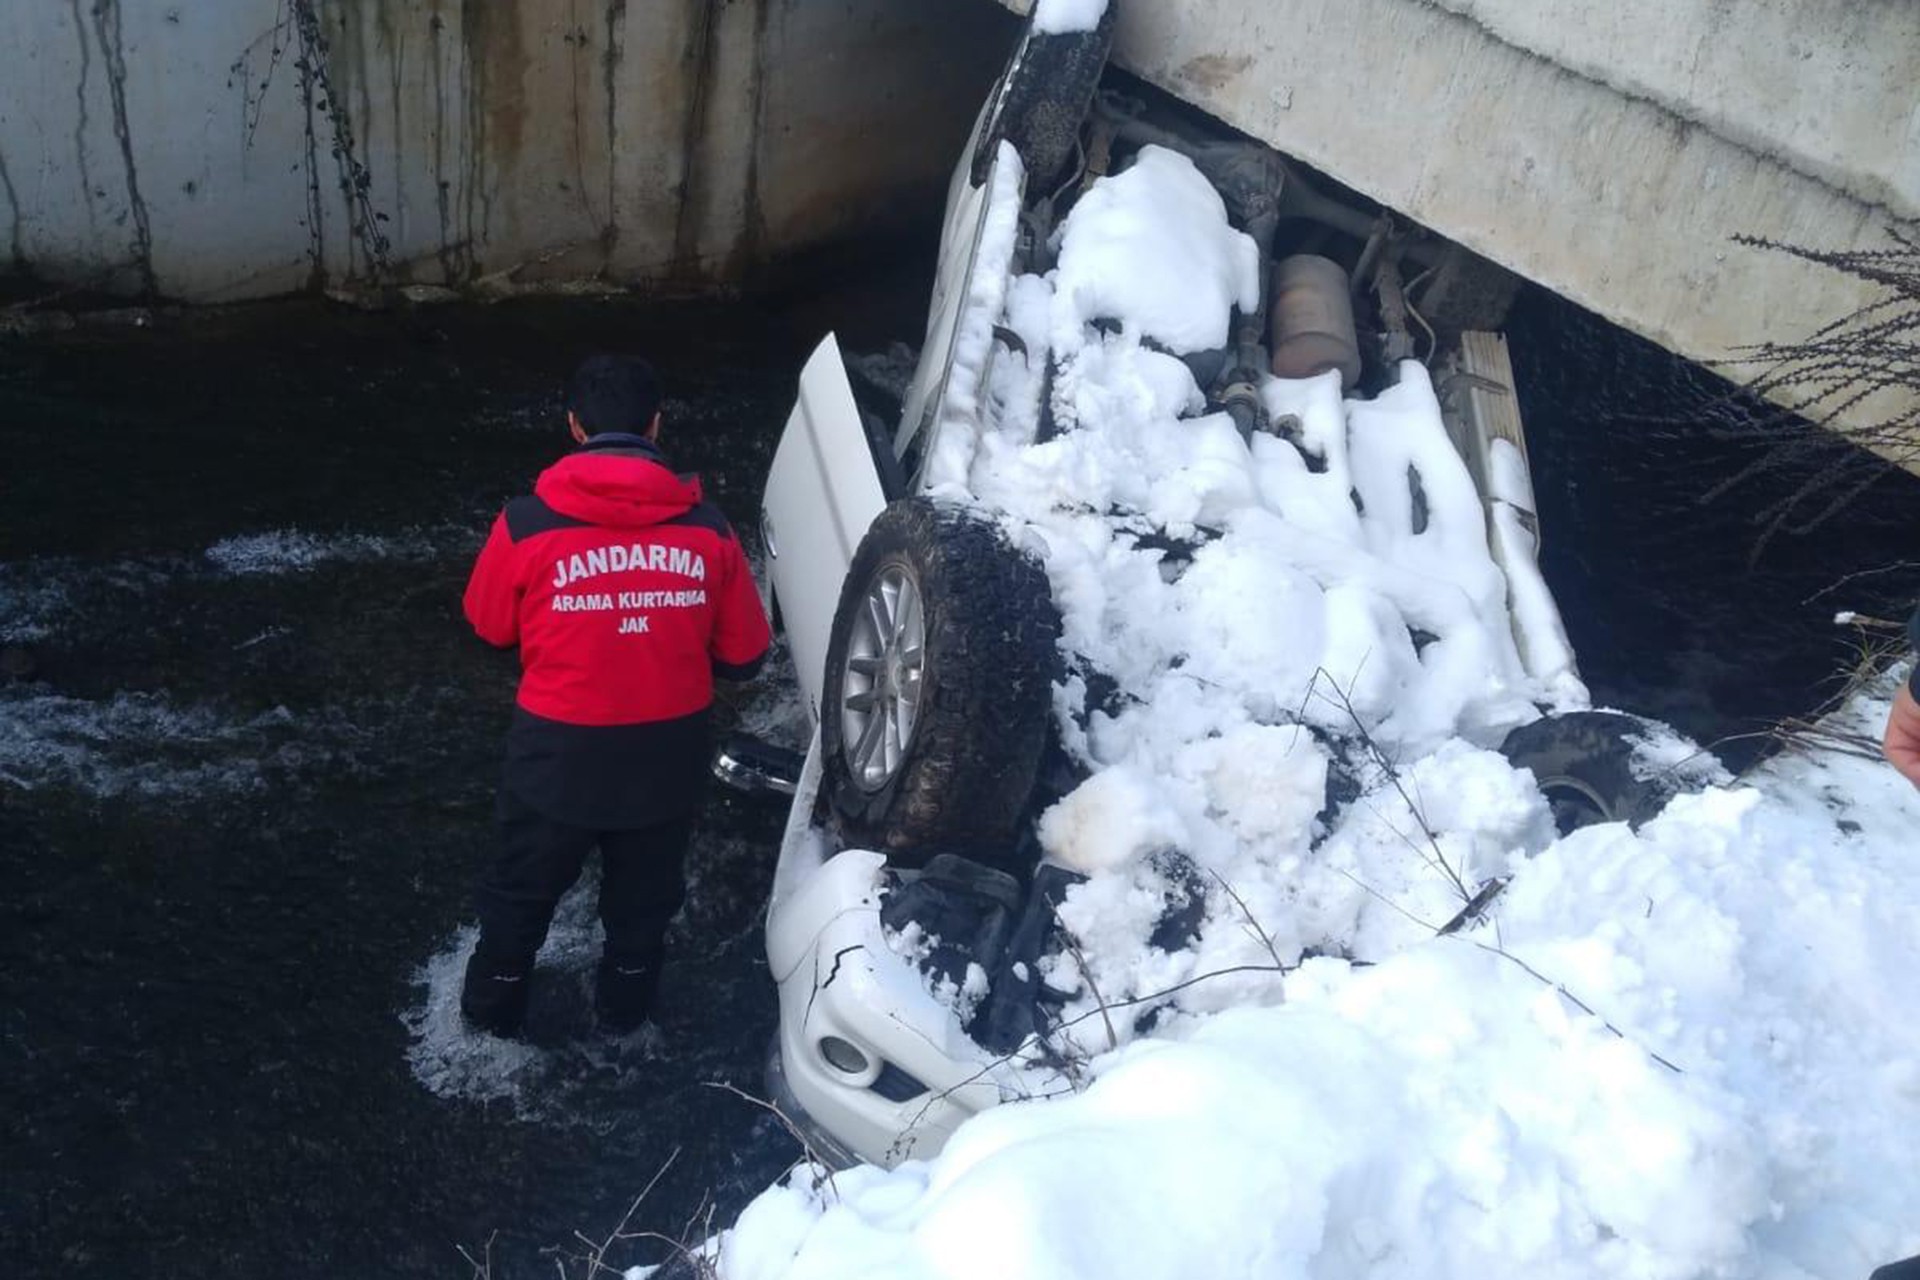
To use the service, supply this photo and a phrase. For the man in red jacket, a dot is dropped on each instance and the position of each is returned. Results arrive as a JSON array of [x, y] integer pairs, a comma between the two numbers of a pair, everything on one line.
[[626, 594]]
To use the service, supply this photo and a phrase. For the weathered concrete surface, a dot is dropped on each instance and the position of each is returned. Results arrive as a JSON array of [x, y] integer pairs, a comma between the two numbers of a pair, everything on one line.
[[195, 150], [1607, 149]]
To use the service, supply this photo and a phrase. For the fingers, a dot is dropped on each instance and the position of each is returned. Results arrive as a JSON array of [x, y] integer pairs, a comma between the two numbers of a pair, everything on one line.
[[1902, 742]]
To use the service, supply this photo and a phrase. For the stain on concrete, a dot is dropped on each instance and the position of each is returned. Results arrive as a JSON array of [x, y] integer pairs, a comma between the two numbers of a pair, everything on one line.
[[455, 255], [612, 54], [752, 234], [106, 25], [495, 65], [16, 243], [696, 67], [1214, 70], [393, 32], [497, 62]]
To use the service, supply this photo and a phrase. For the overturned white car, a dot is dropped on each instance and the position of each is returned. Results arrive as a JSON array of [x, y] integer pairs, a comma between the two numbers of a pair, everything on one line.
[[1206, 503]]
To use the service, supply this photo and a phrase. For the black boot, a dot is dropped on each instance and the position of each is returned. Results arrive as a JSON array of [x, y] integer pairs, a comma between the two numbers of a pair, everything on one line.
[[494, 996], [624, 991]]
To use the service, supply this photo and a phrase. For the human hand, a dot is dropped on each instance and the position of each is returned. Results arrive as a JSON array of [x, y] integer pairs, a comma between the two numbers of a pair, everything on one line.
[[1902, 742]]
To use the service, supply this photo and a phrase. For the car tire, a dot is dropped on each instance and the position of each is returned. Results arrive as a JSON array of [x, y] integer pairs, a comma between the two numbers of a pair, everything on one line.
[[1583, 762], [1042, 98], [933, 747]]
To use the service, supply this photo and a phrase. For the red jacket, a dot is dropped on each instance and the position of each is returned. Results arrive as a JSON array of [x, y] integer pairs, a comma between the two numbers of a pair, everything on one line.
[[624, 590]]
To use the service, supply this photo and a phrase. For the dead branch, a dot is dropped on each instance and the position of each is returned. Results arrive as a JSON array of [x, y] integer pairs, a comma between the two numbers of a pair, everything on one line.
[[793, 1131], [1582, 1005], [1253, 925], [1438, 860]]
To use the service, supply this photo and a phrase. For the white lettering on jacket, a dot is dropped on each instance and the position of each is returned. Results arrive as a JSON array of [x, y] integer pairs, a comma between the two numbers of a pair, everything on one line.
[[606, 602], [617, 559]]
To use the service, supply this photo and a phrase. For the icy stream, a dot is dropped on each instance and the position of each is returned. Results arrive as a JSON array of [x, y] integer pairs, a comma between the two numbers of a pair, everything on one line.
[[247, 781]]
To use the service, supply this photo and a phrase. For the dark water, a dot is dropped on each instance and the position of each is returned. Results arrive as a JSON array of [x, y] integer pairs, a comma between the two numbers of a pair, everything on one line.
[[1670, 608], [244, 790]]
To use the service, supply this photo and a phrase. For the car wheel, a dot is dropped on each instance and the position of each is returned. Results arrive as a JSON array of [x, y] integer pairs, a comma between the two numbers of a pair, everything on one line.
[[1042, 99], [937, 698], [1584, 763]]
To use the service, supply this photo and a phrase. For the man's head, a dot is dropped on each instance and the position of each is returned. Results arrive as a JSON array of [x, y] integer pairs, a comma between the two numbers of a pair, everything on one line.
[[613, 393]]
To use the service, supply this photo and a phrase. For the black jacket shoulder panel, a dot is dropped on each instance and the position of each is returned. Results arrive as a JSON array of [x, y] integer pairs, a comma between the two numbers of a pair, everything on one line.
[[528, 515], [704, 516]]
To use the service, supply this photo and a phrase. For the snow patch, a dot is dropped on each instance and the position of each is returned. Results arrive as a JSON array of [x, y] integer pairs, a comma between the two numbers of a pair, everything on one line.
[[548, 1078], [147, 745], [1058, 17], [296, 551]]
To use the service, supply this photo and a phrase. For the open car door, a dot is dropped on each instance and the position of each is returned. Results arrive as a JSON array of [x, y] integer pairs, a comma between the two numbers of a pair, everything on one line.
[[823, 491]]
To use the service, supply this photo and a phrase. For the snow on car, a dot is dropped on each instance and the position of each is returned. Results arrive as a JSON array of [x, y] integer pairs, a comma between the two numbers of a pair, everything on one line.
[[1162, 696]]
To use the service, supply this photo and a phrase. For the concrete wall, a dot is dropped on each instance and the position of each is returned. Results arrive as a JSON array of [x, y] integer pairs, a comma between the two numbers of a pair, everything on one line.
[[1607, 149], [193, 148]]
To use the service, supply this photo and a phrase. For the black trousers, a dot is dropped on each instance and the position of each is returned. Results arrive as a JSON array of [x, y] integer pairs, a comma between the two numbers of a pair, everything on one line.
[[642, 884]]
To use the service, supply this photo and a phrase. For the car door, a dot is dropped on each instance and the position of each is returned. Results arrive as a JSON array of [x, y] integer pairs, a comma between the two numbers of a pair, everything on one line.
[[977, 244], [823, 490]]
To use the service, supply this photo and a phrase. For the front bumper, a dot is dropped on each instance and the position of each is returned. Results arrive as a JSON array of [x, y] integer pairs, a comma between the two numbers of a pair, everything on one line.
[[821, 1146], [879, 1067]]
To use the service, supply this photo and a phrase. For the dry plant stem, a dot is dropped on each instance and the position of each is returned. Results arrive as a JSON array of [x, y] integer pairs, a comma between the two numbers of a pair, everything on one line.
[[1439, 859], [483, 1265], [1876, 651], [1828, 375], [1086, 976], [595, 1257], [1476, 907], [1150, 997], [1384, 900], [1578, 1003], [1265, 938], [793, 1131]]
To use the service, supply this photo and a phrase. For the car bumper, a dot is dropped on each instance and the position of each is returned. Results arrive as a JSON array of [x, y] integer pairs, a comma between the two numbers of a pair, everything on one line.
[[879, 1068]]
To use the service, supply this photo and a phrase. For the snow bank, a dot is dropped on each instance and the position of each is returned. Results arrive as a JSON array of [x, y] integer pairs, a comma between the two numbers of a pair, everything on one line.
[[1240, 615], [1686, 1051], [1151, 248], [1057, 17], [1739, 1102]]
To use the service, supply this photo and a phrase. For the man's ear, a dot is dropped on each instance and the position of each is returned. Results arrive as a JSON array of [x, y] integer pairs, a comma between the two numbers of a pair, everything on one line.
[[653, 428], [578, 432]]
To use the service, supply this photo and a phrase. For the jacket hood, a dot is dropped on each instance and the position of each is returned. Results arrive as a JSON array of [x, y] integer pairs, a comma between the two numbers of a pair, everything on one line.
[[616, 491]]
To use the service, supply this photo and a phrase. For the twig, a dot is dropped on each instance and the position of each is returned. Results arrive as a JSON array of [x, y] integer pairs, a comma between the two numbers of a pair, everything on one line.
[[1266, 939], [483, 1266], [1477, 907], [1086, 975], [793, 1131], [1388, 767], [1582, 1005], [596, 1254], [1150, 997]]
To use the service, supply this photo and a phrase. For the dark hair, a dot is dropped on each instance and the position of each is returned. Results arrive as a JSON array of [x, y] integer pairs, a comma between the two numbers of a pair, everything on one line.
[[614, 393]]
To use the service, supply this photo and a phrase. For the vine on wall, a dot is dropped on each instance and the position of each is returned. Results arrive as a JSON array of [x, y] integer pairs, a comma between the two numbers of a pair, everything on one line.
[[299, 31]]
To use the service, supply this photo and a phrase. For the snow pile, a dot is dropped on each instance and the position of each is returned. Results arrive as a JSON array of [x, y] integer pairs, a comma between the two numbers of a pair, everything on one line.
[[1150, 247], [1247, 621], [1739, 1102], [1057, 17], [1688, 1051]]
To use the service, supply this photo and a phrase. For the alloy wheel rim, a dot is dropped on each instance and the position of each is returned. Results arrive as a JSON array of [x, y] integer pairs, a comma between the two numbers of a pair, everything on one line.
[[883, 677], [1575, 804]]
